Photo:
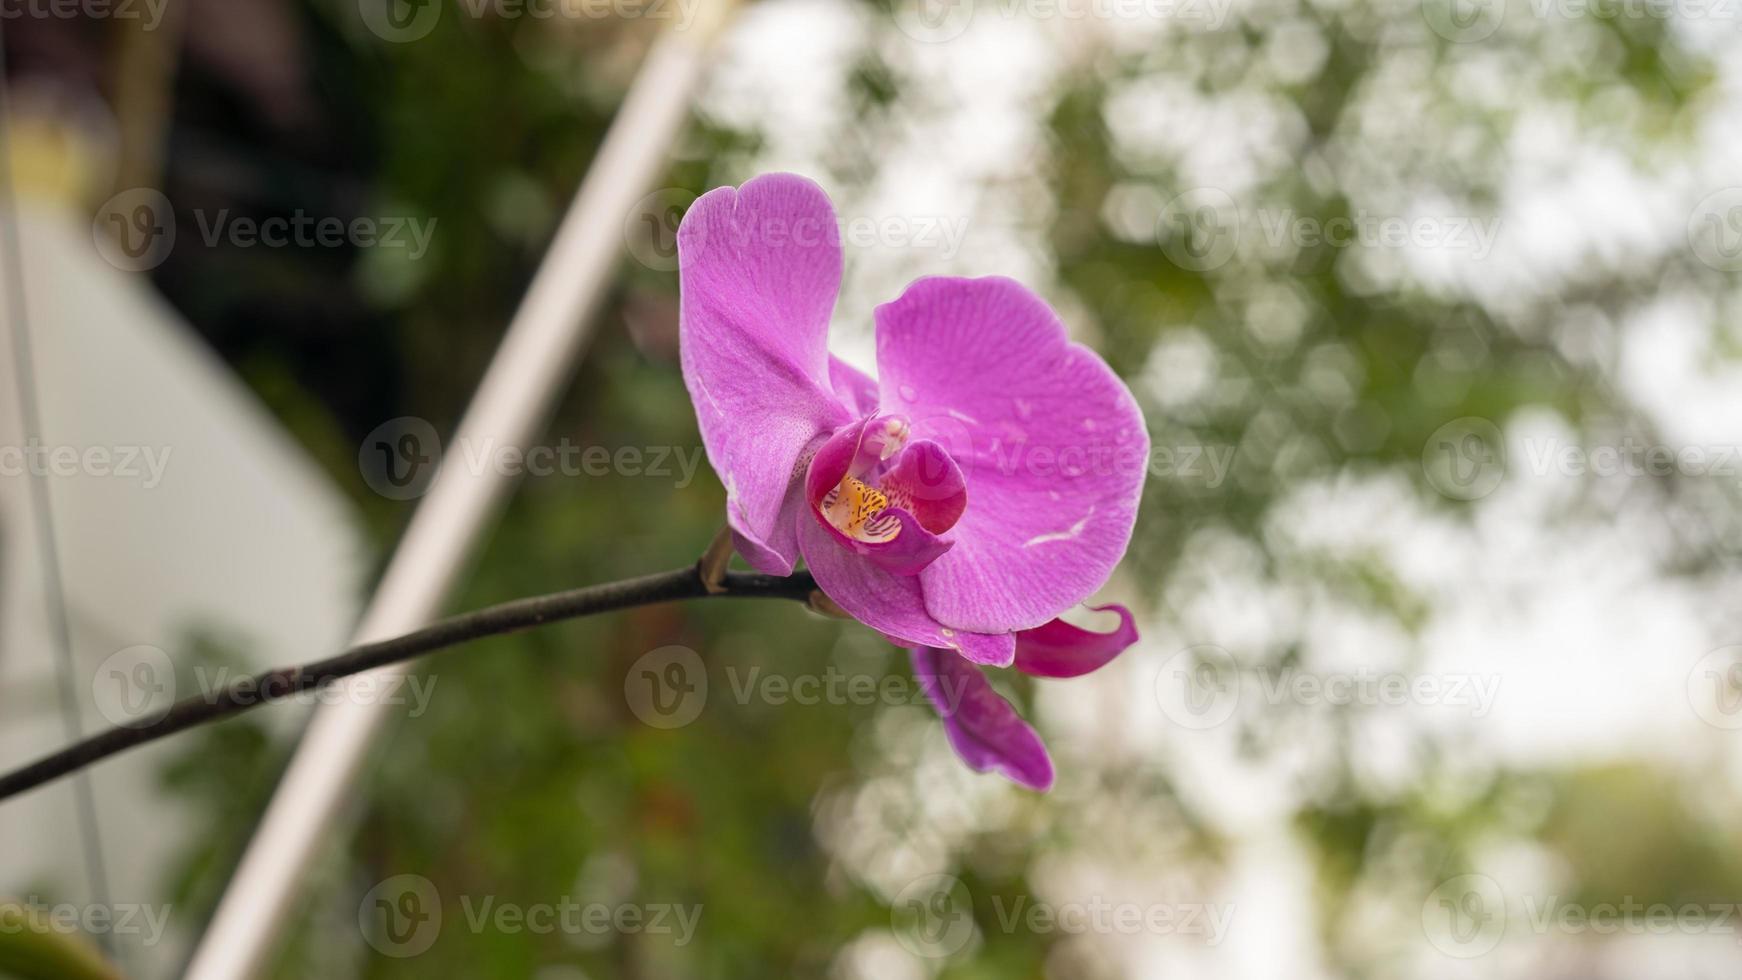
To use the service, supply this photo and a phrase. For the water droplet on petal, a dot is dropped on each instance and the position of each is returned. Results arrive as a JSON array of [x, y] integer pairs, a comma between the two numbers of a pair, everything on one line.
[[1088, 425], [907, 393]]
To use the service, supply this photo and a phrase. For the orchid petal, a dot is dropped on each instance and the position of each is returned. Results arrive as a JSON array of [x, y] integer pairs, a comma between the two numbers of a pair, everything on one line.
[[1059, 649], [759, 267], [1051, 442], [983, 728], [889, 603]]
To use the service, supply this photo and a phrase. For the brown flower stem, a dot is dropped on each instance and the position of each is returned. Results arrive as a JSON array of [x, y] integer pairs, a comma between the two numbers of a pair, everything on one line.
[[508, 617]]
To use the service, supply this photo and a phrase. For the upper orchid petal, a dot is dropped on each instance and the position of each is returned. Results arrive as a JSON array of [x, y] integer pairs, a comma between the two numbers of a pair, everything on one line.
[[759, 267], [983, 728], [1052, 444], [890, 603], [1059, 649]]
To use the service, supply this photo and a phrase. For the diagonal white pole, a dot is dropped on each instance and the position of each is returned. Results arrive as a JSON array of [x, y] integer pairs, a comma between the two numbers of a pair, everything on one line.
[[535, 358]]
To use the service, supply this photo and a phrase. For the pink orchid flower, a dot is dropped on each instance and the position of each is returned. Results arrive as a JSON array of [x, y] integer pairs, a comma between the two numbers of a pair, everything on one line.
[[985, 484]]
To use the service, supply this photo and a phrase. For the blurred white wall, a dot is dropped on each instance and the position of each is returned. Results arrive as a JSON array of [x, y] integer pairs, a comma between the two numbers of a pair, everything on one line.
[[217, 521]]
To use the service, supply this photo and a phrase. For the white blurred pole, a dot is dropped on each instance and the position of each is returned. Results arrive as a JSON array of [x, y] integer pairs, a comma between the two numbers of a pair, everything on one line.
[[529, 369]]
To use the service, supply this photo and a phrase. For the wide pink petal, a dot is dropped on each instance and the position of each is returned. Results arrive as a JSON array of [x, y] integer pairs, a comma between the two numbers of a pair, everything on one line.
[[889, 603], [1051, 442], [983, 728], [1058, 649], [758, 269]]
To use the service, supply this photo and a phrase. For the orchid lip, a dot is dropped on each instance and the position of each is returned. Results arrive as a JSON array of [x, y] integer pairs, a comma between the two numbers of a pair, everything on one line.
[[884, 495], [857, 506], [883, 437]]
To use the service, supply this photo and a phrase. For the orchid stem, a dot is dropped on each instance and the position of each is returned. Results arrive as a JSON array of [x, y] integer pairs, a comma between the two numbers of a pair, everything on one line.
[[508, 617], [712, 567]]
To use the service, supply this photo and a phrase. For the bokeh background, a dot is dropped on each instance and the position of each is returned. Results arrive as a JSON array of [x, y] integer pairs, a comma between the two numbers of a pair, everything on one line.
[[1431, 307]]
